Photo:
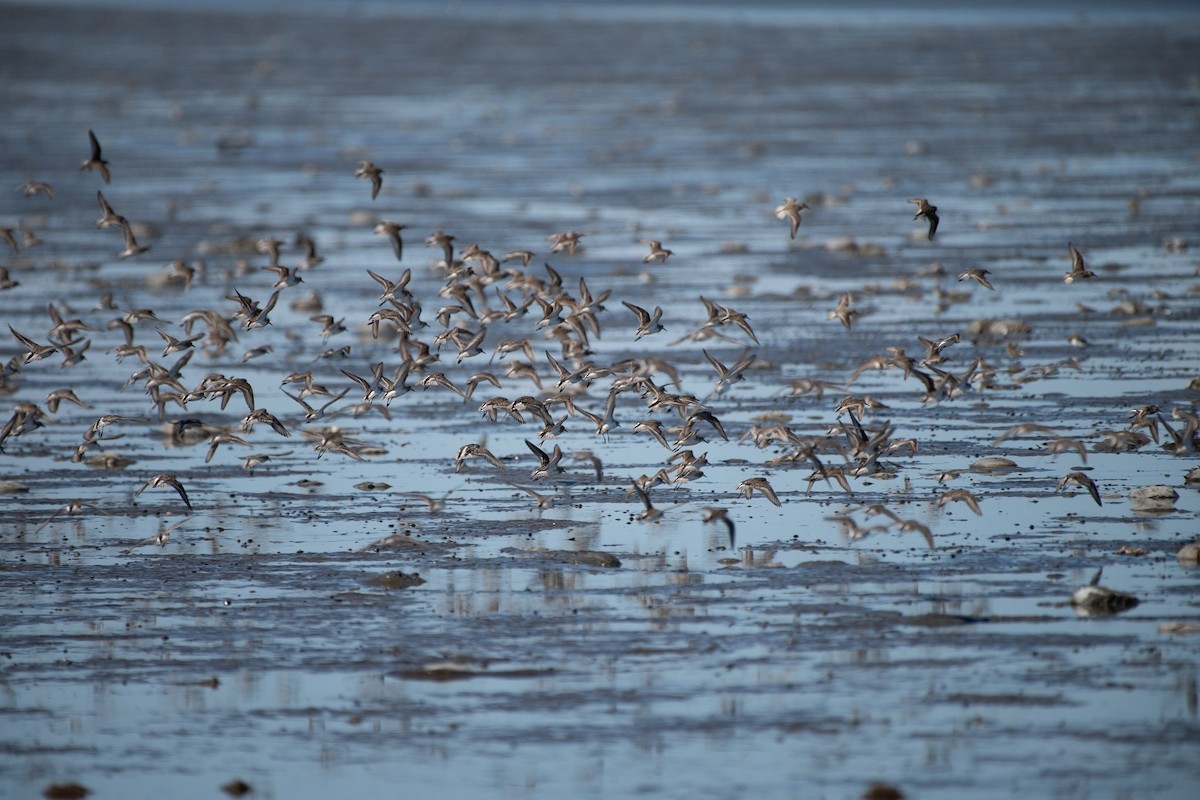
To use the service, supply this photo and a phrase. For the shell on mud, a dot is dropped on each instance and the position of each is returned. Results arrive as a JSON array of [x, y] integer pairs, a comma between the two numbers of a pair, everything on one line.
[[994, 464], [1189, 554], [109, 460], [1153, 498], [395, 580]]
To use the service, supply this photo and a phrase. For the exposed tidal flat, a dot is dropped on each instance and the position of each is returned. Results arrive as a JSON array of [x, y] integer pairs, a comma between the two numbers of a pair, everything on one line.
[[363, 612]]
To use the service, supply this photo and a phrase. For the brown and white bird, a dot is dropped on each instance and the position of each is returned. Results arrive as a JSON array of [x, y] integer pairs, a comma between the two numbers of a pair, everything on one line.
[[751, 485], [34, 351], [657, 252], [108, 218], [95, 161], [979, 275], [392, 230], [167, 480], [845, 312], [30, 188], [647, 323], [367, 169], [928, 211], [790, 210], [475, 450], [962, 496], [1079, 479], [132, 248], [712, 514], [1079, 270]]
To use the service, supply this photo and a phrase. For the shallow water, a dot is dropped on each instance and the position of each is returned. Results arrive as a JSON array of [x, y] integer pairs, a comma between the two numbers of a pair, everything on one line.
[[258, 643]]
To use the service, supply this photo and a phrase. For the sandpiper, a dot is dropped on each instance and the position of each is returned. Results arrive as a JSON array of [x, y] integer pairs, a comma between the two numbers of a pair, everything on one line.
[[790, 210], [1079, 270], [978, 275], [929, 212], [647, 323], [165, 479], [1080, 479], [95, 161], [751, 485], [712, 514], [657, 252], [367, 169], [392, 230]]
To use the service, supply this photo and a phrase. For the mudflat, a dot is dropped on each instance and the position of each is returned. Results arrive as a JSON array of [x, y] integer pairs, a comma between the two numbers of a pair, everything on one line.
[[413, 591]]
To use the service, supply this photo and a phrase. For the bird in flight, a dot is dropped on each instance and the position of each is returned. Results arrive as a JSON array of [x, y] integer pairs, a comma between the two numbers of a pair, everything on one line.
[[928, 211]]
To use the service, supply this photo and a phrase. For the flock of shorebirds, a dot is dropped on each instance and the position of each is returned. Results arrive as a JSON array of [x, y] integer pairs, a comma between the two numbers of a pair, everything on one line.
[[556, 386]]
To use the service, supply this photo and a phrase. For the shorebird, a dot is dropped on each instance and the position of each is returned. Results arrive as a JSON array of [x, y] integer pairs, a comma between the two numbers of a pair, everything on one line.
[[910, 525], [311, 259], [591, 458], [1062, 444], [651, 514], [962, 496], [392, 231], [28, 237], [269, 246], [547, 462], [436, 504], [567, 241], [657, 252], [440, 379], [604, 425], [524, 256], [978, 275], [727, 376], [1079, 270], [262, 415], [72, 509], [474, 450], [1024, 428], [543, 501], [132, 248], [6, 281], [165, 479], [35, 351], [844, 312], [58, 396], [176, 345], [396, 292], [285, 276], [790, 210], [751, 485], [256, 459], [30, 188], [219, 439], [311, 414], [6, 234], [444, 241], [108, 217], [929, 212], [95, 161], [160, 538], [366, 169], [647, 323], [712, 514], [704, 415], [654, 428], [1080, 479], [329, 325]]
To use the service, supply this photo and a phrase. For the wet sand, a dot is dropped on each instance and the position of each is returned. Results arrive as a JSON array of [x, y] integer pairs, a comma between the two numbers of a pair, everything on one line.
[[313, 632]]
